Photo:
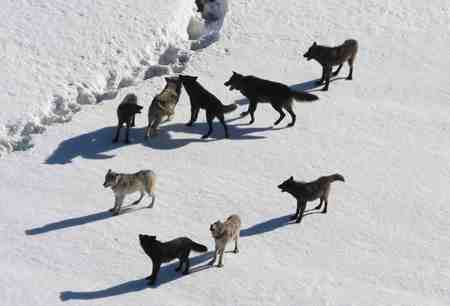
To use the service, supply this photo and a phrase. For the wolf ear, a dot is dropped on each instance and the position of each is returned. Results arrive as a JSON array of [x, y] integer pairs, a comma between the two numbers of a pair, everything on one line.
[[291, 178], [109, 171], [167, 79], [314, 44], [234, 72]]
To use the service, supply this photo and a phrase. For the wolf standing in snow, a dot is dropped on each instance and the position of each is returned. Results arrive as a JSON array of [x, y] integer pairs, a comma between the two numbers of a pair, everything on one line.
[[306, 192], [126, 113], [161, 252], [277, 94], [163, 105], [202, 98], [123, 184], [223, 232], [332, 56]]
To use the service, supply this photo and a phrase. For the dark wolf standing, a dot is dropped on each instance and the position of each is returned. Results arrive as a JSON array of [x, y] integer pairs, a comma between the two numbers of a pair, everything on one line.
[[126, 113], [163, 105], [306, 192], [202, 98], [332, 56], [277, 94], [161, 252]]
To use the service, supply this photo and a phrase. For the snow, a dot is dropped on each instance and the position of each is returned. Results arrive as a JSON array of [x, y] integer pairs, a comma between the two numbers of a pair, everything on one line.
[[386, 237]]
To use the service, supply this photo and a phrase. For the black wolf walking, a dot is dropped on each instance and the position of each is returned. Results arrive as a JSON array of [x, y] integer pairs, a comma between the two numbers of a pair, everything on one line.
[[332, 56], [202, 98], [161, 252], [306, 192], [126, 113], [257, 90]]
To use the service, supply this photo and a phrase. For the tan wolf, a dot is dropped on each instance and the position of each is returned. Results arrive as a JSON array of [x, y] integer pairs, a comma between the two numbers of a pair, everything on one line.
[[123, 184], [306, 192], [163, 105], [223, 232], [332, 56]]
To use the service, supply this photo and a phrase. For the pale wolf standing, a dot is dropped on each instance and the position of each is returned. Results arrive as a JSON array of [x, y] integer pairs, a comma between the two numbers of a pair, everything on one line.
[[163, 105], [222, 233], [332, 56], [123, 184], [306, 192]]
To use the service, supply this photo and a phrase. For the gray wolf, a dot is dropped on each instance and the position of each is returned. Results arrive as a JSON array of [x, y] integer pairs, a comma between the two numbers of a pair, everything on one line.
[[277, 94], [223, 232], [163, 105], [332, 56], [306, 192], [201, 98], [126, 113], [161, 252], [123, 184]]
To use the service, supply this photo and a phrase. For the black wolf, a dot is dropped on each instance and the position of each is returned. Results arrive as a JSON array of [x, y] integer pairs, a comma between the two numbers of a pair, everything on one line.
[[306, 192], [259, 90], [332, 56], [126, 113], [161, 252], [201, 98]]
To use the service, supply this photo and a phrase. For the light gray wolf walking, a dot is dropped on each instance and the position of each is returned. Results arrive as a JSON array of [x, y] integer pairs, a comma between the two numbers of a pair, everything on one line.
[[163, 105], [223, 232], [332, 56], [306, 192], [123, 184]]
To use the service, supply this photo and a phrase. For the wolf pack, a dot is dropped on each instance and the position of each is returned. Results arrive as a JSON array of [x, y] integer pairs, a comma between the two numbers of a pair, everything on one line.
[[257, 90]]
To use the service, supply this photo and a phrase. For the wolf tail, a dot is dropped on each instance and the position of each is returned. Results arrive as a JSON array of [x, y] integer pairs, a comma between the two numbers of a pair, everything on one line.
[[228, 108], [336, 177], [303, 96], [199, 247]]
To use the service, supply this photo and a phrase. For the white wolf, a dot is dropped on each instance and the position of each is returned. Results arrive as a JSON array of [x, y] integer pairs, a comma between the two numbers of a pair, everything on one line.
[[123, 184], [222, 233]]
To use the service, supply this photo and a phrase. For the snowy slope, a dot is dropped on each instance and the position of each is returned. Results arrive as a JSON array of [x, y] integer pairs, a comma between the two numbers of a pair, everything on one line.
[[385, 239]]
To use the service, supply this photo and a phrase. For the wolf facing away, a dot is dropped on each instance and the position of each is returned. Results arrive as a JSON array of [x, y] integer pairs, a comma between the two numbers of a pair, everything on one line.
[[223, 232], [332, 56], [163, 105], [277, 94], [123, 184], [126, 113], [306, 192], [200, 98], [161, 252]]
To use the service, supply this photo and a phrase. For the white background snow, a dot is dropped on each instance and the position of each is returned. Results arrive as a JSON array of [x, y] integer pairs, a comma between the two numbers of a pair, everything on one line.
[[386, 237]]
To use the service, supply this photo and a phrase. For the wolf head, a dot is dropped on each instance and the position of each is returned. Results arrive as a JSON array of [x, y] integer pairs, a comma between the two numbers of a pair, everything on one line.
[[287, 184], [187, 79], [216, 228], [235, 81], [311, 53], [146, 239], [173, 82], [111, 179]]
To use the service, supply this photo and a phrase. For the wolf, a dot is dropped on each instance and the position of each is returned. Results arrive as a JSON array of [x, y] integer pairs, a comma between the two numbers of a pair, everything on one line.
[[202, 98], [223, 232], [161, 252], [123, 184], [332, 56], [163, 105], [305, 192], [126, 113], [258, 90]]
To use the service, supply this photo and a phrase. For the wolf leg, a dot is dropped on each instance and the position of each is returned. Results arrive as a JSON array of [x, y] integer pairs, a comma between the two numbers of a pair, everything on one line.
[[350, 73], [279, 109], [180, 265], [327, 78], [127, 139], [138, 200], [133, 120], [117, 204], [324, 211], [289, 109], [155, 271], [194, 115], [320, 204], [322, 79], [221, 251], [302, 210], [297, 211], [186, 263], [155, 125], [211, 262], [222, 120], [337, 70], [209, 119], [236, 249]]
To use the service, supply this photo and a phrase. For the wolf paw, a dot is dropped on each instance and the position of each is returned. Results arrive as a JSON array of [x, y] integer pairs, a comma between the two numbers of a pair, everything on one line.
[[185, 272], [325, 89], [294, 217], [205, 136], [220, 265], [349, 78], [243, 114]]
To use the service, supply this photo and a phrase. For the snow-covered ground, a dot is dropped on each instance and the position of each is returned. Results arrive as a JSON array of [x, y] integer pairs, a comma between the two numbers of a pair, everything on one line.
[[386, 237]]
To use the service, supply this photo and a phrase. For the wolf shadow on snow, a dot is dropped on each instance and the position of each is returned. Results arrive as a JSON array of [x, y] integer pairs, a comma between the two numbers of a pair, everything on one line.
[[96, 144], [167, 274]]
